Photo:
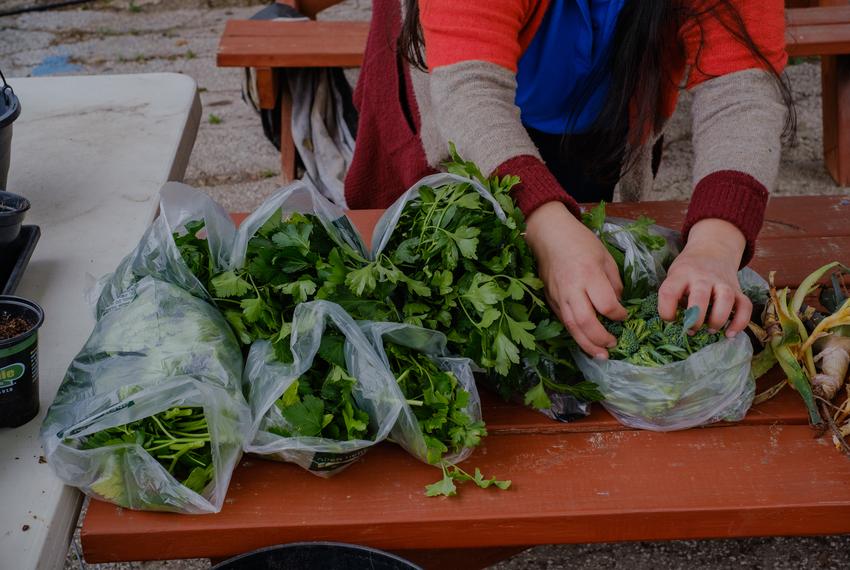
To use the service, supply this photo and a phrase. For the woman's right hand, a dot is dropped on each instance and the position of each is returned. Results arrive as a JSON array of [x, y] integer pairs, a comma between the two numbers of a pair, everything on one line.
[[580, 276]]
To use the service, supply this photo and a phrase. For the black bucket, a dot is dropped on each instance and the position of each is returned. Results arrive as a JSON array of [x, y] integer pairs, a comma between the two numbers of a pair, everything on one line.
[[10, 109], [19, 362], [312, 555], [13, 209]]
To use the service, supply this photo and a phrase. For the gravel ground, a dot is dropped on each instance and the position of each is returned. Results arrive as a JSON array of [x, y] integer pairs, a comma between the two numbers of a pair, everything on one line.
[[235, 164]]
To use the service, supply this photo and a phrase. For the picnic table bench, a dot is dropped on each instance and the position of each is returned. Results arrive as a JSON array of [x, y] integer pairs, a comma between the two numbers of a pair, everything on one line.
[[270, 46], [592, 480]]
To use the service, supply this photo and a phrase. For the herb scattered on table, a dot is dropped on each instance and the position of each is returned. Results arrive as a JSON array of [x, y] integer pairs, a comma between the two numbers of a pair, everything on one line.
[[178, 438], [452, 473], [320, 403]]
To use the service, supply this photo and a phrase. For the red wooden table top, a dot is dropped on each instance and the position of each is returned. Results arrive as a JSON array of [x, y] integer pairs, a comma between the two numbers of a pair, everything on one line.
[[588, 481]]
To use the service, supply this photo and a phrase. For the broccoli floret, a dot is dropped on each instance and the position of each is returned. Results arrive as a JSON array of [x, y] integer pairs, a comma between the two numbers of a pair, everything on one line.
[[648, 308], [703, 338], [627, 344], [613, 327], [674, 334]]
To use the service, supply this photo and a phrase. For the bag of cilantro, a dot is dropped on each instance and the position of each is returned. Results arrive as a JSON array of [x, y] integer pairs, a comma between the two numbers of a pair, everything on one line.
[[150, 414], [185, 261], [326, 408], [440, 421]]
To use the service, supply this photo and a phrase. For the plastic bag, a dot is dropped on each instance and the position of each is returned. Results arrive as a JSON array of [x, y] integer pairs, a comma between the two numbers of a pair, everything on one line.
[[157, 347], [406, 431], [157, 255], [266, 379], [713, 384], [303, 198], [644, 268], [389, 220]]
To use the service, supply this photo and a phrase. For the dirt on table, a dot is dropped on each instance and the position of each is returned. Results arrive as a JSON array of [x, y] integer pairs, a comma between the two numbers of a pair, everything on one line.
[[13, 325]]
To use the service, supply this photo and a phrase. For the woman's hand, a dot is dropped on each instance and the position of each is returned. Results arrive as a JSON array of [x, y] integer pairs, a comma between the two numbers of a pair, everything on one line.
[[580, 276], [707, 271]]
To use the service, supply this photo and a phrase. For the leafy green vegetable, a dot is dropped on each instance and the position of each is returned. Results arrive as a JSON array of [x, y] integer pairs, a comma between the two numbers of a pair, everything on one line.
[[178, 438], [321, 403], [451, 264], [644, 339], [438, 400], [452, 473]]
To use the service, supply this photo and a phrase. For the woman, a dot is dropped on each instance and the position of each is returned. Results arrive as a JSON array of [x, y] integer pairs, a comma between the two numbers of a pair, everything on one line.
[[570, 96]]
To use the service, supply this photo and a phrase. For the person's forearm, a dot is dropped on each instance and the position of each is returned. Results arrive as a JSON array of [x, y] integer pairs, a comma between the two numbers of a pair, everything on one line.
[[737, 125]]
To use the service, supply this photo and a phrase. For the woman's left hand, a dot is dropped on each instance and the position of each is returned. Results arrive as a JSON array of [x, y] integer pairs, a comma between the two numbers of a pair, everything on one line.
[[707, 272]]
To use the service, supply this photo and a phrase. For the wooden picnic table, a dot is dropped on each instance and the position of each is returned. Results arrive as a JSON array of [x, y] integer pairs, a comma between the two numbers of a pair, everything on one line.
[[588, 481]]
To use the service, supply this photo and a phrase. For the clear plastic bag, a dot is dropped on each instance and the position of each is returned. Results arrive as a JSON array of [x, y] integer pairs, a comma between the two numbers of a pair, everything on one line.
[[432, 343], [389, 220], [645, 269], [157, 347], [713, 384], [303, 198], [266, 379], [157, 255]]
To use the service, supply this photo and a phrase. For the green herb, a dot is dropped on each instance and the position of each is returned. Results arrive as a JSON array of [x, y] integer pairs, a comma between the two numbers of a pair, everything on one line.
[[287, 262], [451, 264], [438, 400], [452, 473], [321, 403], [178, 438]]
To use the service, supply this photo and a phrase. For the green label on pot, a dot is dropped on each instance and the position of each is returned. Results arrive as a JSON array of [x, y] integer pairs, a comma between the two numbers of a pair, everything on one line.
[[11, 374]]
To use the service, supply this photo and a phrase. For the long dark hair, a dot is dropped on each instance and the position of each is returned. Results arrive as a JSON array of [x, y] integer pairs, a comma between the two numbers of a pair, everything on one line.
[[645, 41]]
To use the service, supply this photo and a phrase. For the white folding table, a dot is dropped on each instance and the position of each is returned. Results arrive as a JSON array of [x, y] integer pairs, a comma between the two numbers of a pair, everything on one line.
[[90, 153]]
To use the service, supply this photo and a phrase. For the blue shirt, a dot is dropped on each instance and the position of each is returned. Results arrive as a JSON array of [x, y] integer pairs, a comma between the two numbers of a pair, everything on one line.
[[566, 58]]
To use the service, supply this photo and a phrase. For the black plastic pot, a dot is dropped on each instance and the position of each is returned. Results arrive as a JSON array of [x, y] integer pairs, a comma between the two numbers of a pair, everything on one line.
[[19, 364], [13, 209], [314, 555], [10, 109]]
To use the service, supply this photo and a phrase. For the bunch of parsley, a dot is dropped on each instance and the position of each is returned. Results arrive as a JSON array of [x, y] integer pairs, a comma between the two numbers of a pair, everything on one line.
[[438, 401], [320, 403], [452, 265]]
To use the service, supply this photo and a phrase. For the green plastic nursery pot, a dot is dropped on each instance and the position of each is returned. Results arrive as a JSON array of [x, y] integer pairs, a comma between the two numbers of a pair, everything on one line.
[[20, 320], [312, 555]]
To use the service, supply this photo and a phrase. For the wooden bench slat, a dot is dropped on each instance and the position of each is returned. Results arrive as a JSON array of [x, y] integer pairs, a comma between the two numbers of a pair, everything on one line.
[[248, 43], [817, 15], [511, 418], [832, 39], [568, 488]]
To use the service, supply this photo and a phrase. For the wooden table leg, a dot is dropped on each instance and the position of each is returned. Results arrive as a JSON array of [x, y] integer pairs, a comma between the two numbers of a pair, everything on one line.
[[835, 77]]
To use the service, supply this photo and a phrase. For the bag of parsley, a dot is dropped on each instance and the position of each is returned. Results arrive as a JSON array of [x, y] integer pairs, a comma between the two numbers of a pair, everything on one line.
[[440, 421], [330, 404], [183, 260], [150, 414], [450, 253]]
